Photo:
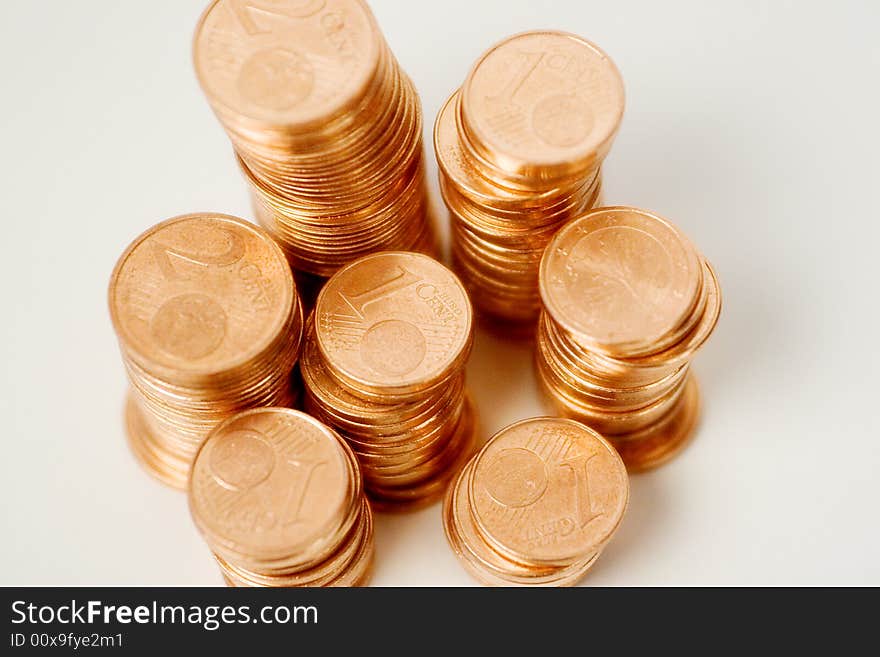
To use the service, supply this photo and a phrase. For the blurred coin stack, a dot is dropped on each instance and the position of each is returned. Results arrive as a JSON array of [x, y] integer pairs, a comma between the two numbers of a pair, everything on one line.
[[537, 505], [278, 498], [628, 302], [326, 126], [209, 323], [383, 364], [520, 147]]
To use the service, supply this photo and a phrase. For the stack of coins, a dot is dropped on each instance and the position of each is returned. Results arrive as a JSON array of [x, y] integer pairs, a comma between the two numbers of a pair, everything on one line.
[[279, 499], [209, 323], [628, 302], [383, 364], [519, 148], [537, 505], [326, 126]]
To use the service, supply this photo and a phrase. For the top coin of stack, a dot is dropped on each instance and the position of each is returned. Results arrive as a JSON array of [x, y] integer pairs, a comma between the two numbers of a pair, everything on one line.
[[520, 147], [327, 127], [383, 364], [628, 302], [278, 497], [209, 323], [537, 505]]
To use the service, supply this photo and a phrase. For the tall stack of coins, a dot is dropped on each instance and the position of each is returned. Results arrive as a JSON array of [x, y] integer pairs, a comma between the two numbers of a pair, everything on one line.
[[278, 497], [383, 364], [326, 126], [628, 302], [537, 505], [209, 323], [520, 147]]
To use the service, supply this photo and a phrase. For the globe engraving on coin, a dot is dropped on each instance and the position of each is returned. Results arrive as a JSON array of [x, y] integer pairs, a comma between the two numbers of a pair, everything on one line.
[[562, 120], [408, 352], [278, 79], [517, 477], [190, 326], [242, 459]]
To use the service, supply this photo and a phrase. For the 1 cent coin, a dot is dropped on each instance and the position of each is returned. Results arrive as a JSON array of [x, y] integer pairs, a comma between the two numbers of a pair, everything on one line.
[[548, 491]]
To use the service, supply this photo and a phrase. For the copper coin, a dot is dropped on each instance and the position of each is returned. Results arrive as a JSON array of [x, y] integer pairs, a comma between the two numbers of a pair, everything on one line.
[[271, 483], [543, 101], [487, 565], [394, 323], [548, 491], [620, 279], [287, 63], [200, 294], [658, 443]]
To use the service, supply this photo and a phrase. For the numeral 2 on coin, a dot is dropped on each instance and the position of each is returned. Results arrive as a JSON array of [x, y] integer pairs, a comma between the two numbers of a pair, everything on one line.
[[165, 254], [244, 12]]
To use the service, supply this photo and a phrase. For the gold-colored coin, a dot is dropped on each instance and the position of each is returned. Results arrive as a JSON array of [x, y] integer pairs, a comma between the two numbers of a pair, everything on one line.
[[209, 323], [394, 324], [537, 505], [278, 497], [628, 301]]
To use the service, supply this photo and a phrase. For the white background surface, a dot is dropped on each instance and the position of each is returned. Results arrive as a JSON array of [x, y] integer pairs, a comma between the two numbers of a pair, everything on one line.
[[754, 127]]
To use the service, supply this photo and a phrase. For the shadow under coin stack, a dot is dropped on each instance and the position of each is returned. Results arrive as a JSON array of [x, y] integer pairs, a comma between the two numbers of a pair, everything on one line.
[[628, 302], [326, 126], [537, 505], [383, 364], [209, 323], [278, 498], [520, 147]]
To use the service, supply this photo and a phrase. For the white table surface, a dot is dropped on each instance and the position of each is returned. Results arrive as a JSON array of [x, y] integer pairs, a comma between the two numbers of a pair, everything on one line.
[[754, 127]]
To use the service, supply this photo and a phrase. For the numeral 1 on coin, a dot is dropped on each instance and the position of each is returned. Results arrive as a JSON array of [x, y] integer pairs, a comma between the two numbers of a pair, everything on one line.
[[401, 280], [528, 62], [584, 512], [297, 494]]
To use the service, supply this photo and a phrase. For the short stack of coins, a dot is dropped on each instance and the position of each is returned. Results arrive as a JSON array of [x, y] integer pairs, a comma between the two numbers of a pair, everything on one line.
[[537, 505], [278, 498], [520, 147], [326, 126], [628, 302], [383, 364], [209, 323]]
